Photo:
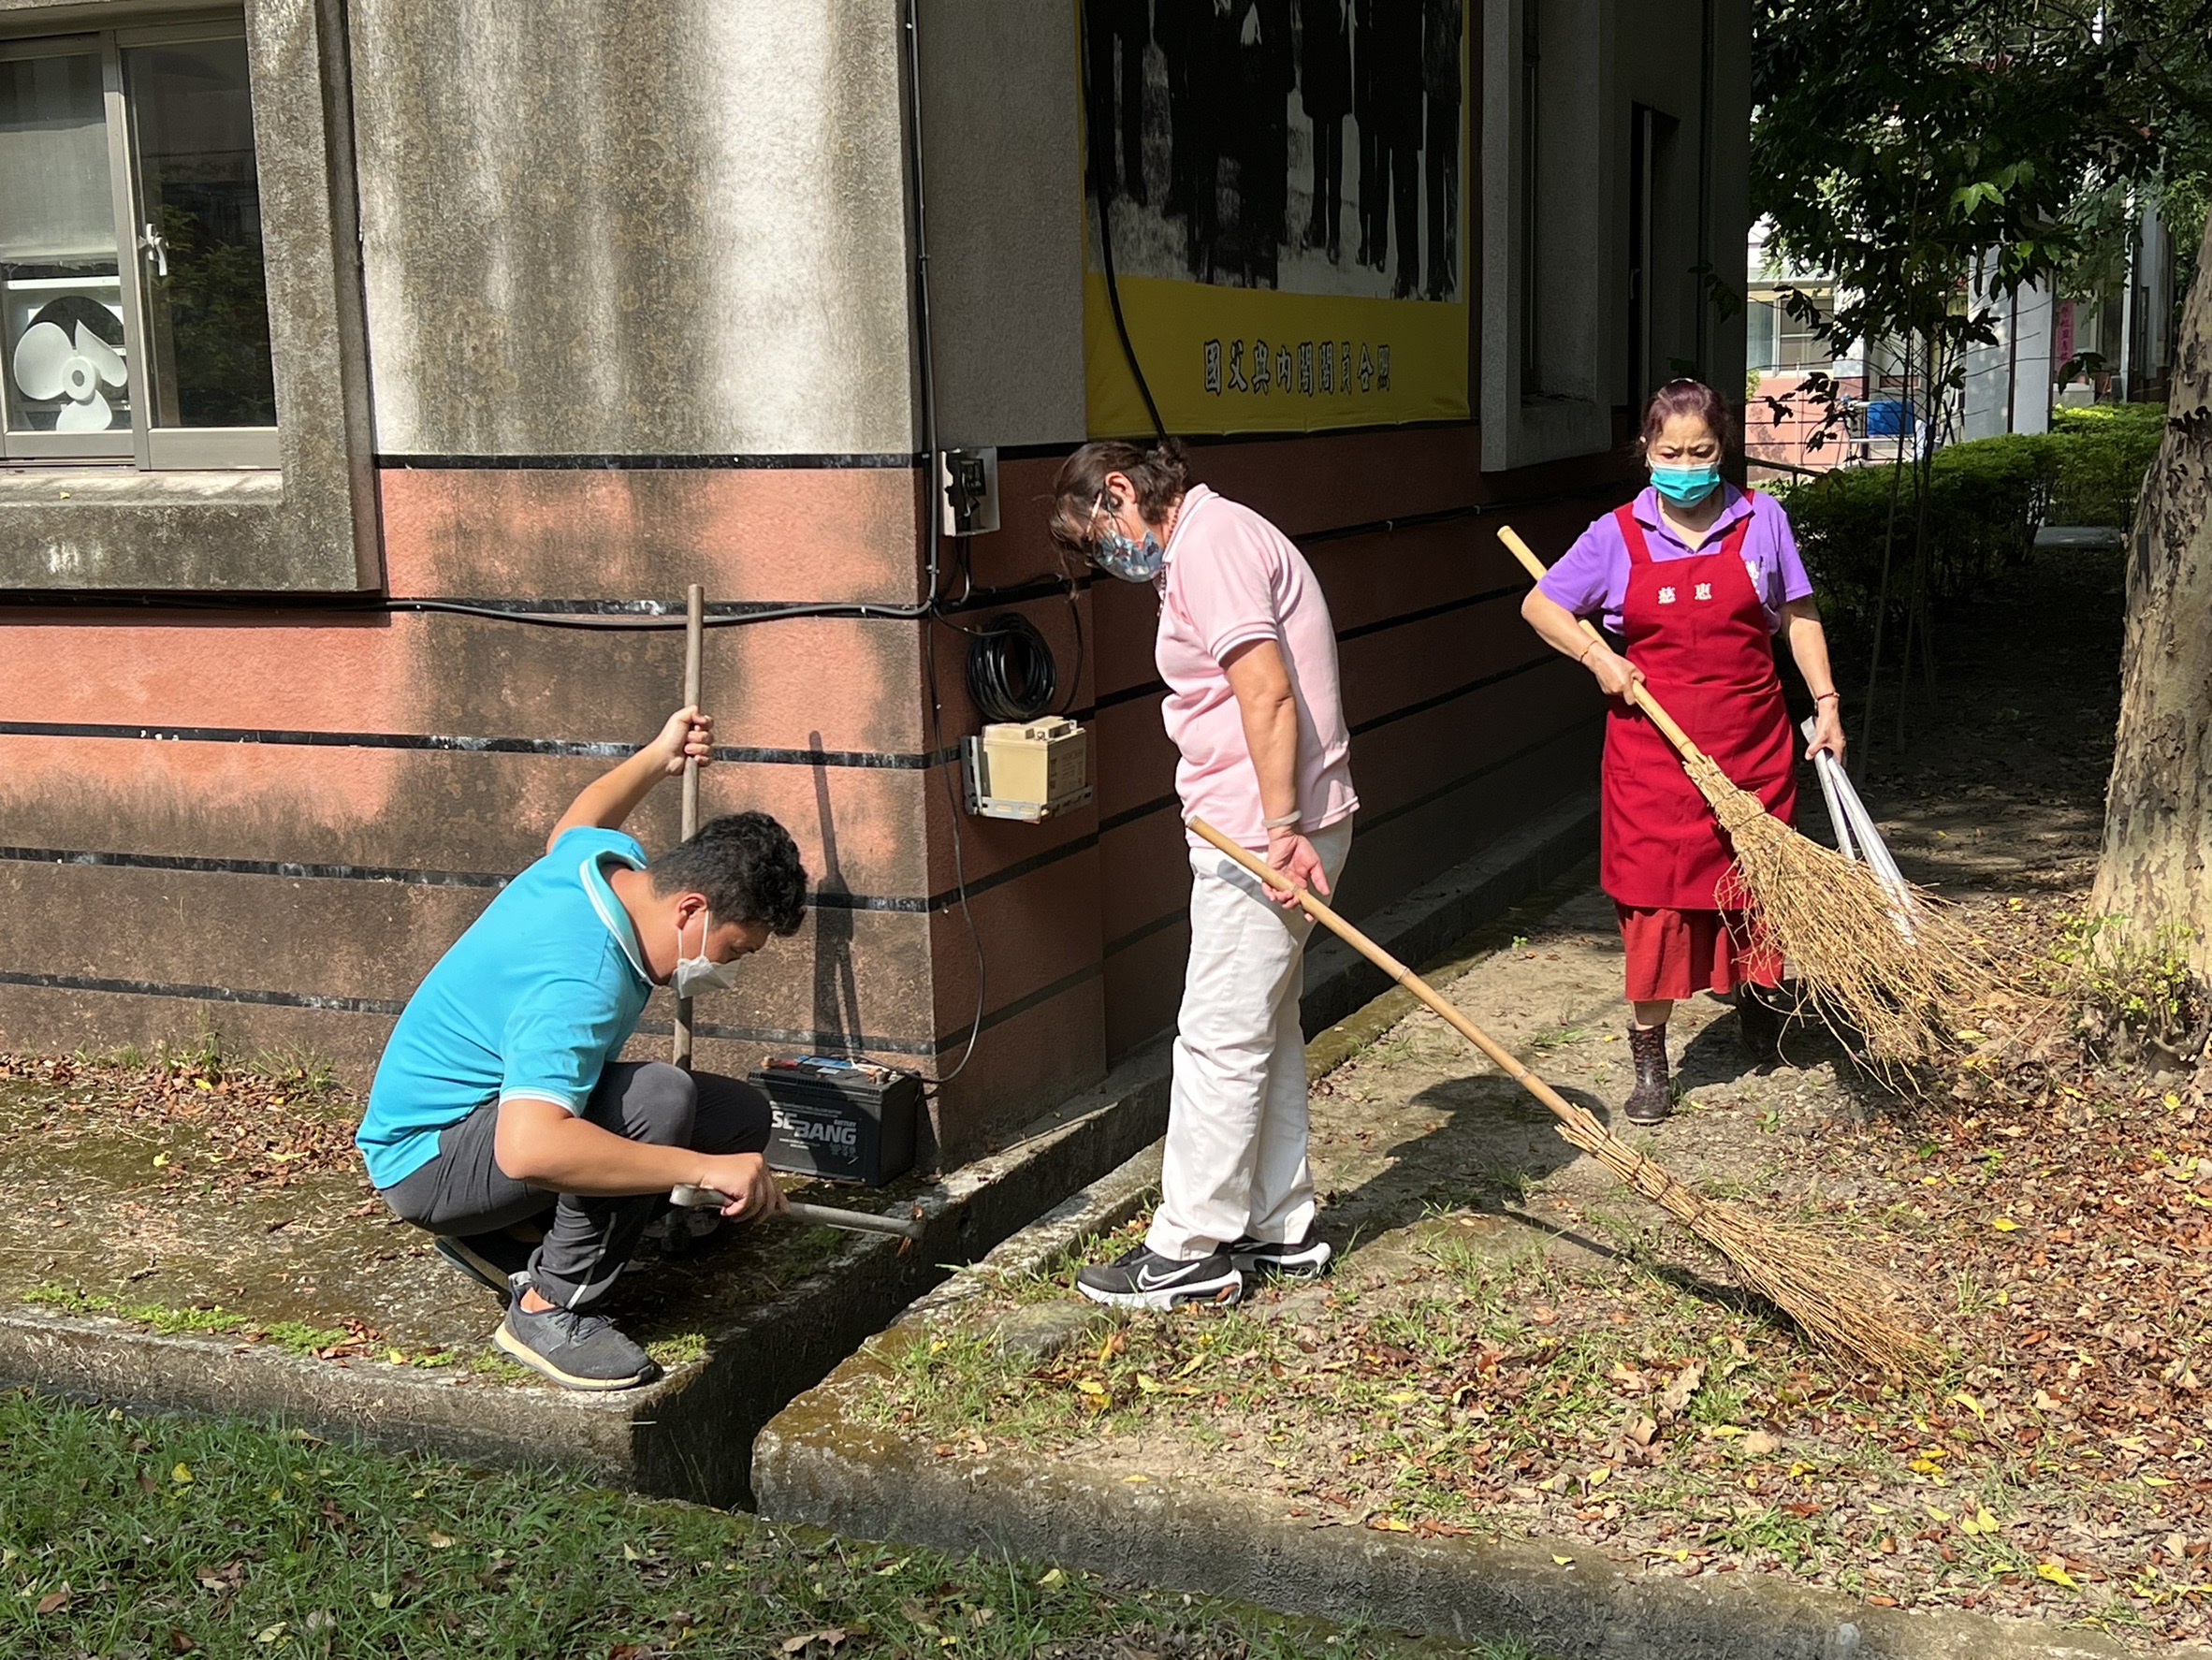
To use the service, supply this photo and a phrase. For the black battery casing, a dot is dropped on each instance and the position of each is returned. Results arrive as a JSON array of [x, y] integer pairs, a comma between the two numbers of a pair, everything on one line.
[[842, 1121]]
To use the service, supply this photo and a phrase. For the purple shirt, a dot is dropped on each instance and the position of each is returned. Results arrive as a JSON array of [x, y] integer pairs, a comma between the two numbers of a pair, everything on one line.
[[1594, 572]]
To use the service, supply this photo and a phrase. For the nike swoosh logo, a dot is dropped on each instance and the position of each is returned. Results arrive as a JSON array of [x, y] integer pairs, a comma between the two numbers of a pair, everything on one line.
[[1147, 1283]]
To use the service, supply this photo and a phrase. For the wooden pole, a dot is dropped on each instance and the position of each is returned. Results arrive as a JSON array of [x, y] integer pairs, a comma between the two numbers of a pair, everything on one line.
[[694, 694]]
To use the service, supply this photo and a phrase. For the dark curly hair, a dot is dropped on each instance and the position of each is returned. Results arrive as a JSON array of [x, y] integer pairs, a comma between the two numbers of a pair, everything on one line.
[[747, 866], [1160, 475]]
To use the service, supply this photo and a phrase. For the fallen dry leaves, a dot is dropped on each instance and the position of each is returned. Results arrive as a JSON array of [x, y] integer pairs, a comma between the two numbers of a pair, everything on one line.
[[229, 1131]]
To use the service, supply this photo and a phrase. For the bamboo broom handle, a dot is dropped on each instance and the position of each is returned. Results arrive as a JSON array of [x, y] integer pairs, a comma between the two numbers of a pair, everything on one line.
[[1561, 1107], [1638, 694], [694, 691]]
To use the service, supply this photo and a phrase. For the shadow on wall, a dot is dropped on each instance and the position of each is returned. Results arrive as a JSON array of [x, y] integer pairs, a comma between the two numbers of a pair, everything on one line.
[[836, 991]]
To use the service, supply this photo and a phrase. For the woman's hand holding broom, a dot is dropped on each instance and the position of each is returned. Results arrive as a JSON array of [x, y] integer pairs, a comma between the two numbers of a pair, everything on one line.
[[1568, 635], [1631, 691], [1616, 675]]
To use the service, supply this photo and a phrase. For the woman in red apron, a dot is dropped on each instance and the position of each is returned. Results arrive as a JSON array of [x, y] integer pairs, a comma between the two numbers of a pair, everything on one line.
[[1696, 578]]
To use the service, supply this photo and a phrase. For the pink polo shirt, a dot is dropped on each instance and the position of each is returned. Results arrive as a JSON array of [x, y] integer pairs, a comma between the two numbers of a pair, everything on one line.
[[1231, 579]]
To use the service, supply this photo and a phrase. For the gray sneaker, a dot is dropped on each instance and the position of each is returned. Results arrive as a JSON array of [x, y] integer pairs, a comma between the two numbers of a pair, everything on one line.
[[575, 1351]]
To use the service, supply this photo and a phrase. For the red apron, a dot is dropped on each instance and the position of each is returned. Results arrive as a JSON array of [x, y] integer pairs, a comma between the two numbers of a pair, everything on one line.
[[1695, 627]]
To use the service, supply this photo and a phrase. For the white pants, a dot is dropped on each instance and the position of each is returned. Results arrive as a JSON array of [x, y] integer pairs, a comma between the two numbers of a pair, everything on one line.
[[1235, 1158]]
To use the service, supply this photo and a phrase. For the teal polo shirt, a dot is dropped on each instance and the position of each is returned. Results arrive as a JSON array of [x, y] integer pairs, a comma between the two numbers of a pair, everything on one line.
[[542, 992]]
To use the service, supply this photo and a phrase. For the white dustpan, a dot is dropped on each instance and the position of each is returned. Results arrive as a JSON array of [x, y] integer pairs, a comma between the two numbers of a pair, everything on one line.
[[1855, 835]]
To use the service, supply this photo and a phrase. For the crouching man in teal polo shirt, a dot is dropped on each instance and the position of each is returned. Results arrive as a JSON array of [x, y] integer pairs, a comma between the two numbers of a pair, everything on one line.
[[500, 1099]]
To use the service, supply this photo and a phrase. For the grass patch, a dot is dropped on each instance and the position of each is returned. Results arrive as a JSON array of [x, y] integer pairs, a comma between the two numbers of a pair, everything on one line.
[[679, 1349], [292, 1337], [133, 1535]]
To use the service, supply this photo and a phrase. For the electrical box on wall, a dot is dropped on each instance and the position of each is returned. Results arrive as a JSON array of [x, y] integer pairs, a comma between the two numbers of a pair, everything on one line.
[[1030, 772], [967, 480]]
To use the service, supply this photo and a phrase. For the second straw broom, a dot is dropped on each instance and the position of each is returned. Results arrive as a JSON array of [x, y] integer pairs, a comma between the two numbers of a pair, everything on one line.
[[1845, 1308]]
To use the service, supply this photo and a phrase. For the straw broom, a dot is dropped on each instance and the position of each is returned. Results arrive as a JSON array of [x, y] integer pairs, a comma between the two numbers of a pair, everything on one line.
[[1844, 1308], [1909, 980]]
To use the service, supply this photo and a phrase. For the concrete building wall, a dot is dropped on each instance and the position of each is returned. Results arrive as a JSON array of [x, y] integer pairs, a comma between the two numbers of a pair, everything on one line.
[[670, 227], [1553, 402], [1658, 49], [1729, 206], [2014, 368], [1597, 60], [1003, 159]]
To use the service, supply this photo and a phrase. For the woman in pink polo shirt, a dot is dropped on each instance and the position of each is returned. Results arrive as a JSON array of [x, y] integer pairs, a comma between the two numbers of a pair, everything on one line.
[[1696, 578], [1249, 653]]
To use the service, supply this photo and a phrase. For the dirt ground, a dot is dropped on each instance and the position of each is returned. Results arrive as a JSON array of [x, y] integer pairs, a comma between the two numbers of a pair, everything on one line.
[[1513, 1345], [190, 1192]]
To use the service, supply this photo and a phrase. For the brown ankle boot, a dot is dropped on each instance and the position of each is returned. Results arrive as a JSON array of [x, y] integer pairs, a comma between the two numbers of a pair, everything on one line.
[[1652, 1098], [1759, 1024]]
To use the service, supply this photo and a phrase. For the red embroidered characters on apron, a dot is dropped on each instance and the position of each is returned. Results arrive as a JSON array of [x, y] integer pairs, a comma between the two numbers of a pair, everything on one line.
[[1696, 629]]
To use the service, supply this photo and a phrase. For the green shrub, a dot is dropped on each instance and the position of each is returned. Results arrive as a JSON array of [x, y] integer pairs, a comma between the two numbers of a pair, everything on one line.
[[2102, 452], [2133, 986], [1985, 501]]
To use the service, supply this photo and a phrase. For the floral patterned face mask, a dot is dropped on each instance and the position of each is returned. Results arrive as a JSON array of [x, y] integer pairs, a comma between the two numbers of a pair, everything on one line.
[[1119, 554]]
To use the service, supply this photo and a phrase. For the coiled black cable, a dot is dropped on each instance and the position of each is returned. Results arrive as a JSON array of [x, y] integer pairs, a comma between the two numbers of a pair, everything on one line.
[[1011, 672]]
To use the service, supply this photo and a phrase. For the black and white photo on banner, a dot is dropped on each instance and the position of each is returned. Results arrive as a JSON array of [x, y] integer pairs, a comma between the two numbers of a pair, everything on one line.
[[1311, 146]]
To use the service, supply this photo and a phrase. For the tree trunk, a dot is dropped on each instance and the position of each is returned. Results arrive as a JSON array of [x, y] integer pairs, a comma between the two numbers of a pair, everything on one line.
[[2157, 864]]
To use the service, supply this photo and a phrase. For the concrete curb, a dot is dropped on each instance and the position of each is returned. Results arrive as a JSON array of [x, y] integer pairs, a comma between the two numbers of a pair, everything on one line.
[[813, 1464], [688, 1435], [1098, 1208]]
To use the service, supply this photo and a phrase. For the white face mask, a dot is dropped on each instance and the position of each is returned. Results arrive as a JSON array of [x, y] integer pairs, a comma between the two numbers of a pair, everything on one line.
[[694, 975]]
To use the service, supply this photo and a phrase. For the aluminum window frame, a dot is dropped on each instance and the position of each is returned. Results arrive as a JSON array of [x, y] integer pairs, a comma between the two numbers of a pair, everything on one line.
[[148, 445], [112, 448], [310, 525]]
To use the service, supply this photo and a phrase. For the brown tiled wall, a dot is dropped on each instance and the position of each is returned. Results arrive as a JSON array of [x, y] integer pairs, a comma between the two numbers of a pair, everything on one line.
[[331, 873]]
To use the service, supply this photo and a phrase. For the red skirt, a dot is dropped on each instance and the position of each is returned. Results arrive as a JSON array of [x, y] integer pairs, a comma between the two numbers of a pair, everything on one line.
[[1673, 955]]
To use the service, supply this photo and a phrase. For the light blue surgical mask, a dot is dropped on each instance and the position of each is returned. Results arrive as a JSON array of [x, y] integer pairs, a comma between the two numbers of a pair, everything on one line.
[[1685, 487], [1119, 554]]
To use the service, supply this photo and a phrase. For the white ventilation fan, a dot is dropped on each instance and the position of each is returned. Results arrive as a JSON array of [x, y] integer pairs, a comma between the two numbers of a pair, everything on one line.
[[63, 356]]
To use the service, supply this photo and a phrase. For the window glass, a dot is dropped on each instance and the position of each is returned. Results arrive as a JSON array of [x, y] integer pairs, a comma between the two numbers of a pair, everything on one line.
[[61, 302], [1758, 334], [193, 125]]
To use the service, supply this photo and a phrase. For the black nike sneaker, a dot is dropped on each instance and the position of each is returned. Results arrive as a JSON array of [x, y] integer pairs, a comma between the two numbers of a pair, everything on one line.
[[1304, 1258], [1142, 1279]]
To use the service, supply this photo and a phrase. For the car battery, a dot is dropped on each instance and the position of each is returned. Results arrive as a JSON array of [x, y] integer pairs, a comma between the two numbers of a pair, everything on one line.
[[843, 1120]]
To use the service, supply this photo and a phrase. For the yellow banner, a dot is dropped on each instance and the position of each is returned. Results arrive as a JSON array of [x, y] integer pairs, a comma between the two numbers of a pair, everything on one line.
[[1285, 191], [1255, 361]]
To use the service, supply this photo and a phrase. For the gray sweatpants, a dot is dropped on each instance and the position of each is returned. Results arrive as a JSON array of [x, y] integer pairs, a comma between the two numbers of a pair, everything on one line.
[[464, 1191]]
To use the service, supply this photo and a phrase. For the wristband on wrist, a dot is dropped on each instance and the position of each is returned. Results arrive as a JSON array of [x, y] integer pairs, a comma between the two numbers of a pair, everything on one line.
[[1588, 649], [1821, 696], [1283, 821]]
